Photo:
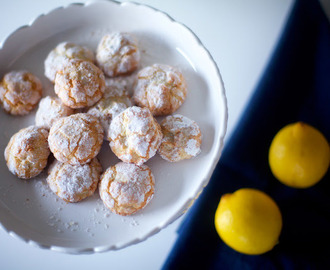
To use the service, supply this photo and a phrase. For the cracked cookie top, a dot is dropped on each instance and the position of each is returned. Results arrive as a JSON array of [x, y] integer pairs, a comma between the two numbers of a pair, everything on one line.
[[27, 152], [79, 84], [50, 109], [126, 188], [73, 183], [61, 54], [118, 54], [182, 138], [20, 92], [134, 135], [161, 88], [76, 139]]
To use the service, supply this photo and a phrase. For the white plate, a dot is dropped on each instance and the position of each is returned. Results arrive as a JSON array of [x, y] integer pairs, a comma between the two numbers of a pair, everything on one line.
[[29, 210]]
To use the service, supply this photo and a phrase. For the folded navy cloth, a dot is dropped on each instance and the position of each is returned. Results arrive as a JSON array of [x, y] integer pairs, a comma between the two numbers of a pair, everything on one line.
[[294, 87]]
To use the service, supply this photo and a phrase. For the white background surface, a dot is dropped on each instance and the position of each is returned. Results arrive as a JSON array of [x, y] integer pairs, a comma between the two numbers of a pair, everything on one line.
[[240, 35]]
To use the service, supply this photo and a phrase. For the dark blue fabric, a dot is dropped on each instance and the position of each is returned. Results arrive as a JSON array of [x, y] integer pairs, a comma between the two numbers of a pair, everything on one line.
[[294, 87]]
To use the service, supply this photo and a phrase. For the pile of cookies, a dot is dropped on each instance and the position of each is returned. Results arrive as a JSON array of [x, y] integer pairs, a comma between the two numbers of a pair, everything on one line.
[[93, 104]]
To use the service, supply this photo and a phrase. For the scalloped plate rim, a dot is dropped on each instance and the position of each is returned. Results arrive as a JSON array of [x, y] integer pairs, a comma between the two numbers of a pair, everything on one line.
[[204, 182]]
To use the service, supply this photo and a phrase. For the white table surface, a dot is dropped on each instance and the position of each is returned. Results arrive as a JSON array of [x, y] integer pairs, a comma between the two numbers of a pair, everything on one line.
[[240, 35]]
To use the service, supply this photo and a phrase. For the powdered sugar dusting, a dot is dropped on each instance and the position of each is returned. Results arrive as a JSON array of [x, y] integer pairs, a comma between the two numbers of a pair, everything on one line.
[[76, 139], [126, 188], [182, 138], [50, 109], [134, 135], [161, 88], [59, 57], [192, 148], [179, 122], [20, 92], [79, 84], [61, 217], [27, 152], [118, 54], [73, 183]]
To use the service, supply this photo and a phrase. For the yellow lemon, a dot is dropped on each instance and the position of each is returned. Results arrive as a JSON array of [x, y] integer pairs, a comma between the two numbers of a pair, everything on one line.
[[299, 155], [249, 221]]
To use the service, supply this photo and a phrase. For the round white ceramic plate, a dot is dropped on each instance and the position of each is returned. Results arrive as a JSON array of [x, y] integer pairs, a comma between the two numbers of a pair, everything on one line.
[[29, 210]]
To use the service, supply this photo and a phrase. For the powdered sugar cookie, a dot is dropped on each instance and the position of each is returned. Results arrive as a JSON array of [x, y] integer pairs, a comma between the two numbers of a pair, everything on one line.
[[134, 135], [73, 183], [126, 188], [76, 139], [27, 152], [50, 109], [20, 91], [79, 84], [61, 54], [114, 101], [182, 138], [118, 54], [161, 88]]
